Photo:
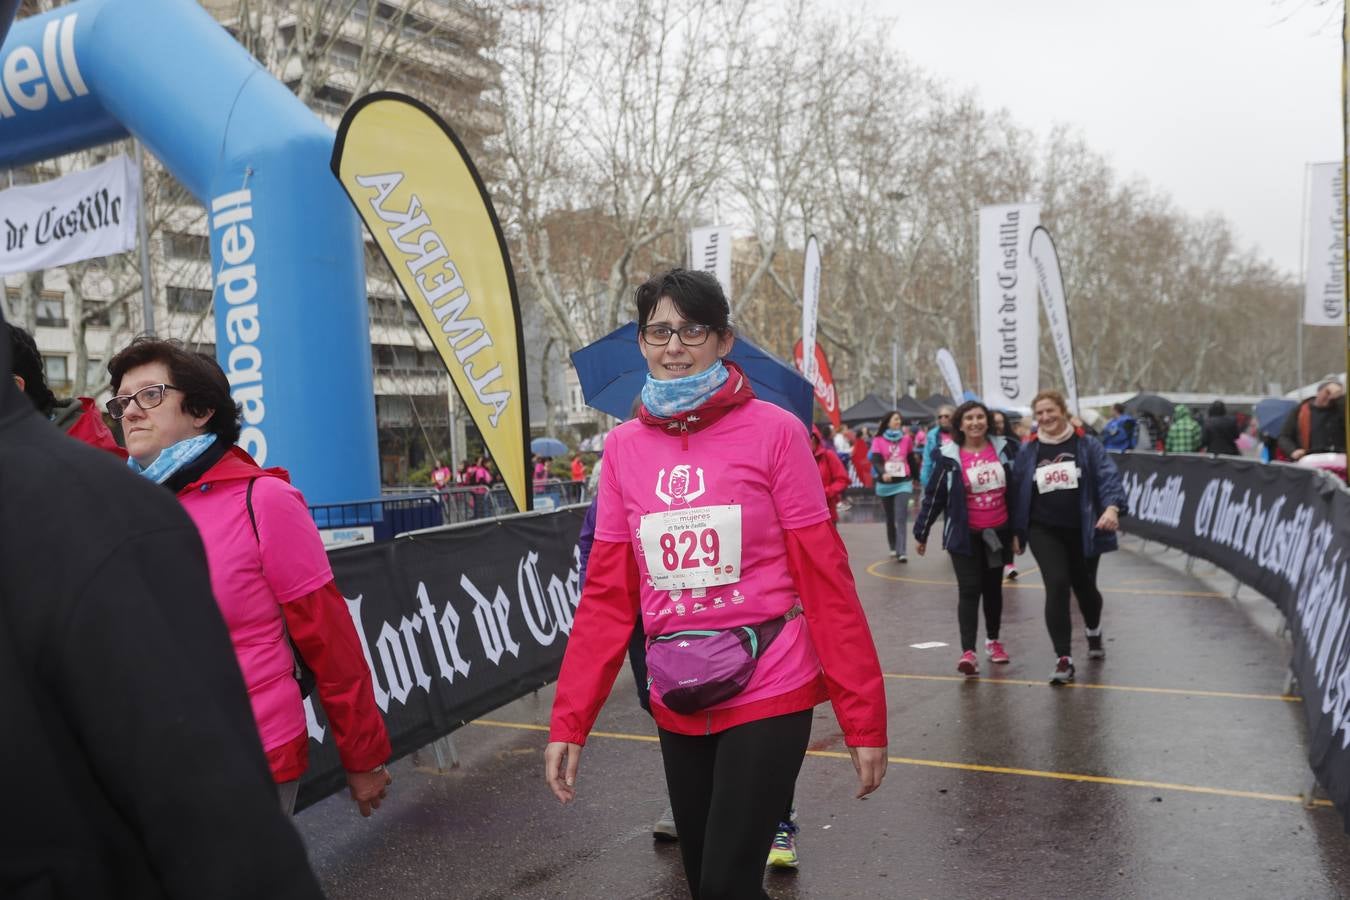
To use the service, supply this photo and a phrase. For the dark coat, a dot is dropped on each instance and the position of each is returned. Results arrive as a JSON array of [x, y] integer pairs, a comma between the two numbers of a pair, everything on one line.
[[133, 767], [1098, 487], [1220, 435], [946, 493]]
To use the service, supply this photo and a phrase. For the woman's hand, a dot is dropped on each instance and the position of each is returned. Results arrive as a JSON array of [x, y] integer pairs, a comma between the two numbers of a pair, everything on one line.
[[369, 788], [560, 769], [1110, 520], [870, 764], [920, 548], [1018, 549]]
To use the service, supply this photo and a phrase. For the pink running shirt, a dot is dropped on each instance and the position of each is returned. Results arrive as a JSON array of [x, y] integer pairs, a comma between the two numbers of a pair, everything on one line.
[[985, 499]]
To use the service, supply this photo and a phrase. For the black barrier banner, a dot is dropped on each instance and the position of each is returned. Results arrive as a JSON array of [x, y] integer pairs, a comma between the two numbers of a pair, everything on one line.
[[454, 623], [1285, 531]]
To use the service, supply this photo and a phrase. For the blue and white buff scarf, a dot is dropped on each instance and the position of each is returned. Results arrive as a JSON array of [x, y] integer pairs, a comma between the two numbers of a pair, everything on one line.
[[680, 395], [893, 435], [173, 458]]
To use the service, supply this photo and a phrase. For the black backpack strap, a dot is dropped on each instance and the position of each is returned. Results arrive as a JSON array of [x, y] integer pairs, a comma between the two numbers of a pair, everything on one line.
[[248, 502]]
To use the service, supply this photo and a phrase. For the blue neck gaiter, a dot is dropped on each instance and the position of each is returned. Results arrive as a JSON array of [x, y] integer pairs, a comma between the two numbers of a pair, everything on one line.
[[174, 457], [893, 435], [680, 395]]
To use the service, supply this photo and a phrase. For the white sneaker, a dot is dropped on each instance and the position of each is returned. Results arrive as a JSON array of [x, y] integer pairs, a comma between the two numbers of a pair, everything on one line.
[[664, 829]]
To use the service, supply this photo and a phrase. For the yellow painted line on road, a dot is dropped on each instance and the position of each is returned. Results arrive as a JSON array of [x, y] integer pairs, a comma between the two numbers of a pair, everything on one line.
[[1017, 585], [1224, 695], [973, 767]]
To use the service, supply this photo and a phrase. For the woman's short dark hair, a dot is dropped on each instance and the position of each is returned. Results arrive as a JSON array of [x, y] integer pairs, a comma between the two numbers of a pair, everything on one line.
[[697, 295], [27, 364], [957, 434], [1217, 408], [882, 425], [197, 376]]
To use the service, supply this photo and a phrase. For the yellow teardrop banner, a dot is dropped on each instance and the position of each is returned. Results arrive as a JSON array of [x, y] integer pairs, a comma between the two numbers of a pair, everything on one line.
[[425, 205]]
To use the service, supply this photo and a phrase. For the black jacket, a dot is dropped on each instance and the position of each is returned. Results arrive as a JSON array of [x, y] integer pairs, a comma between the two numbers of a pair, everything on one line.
[[1314, 430], [132, 766], [1220, 435]]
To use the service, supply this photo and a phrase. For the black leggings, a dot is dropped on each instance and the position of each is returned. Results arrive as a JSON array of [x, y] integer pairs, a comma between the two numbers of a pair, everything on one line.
[[1059, 553], [975, 580], [895, 537], [727, 791]]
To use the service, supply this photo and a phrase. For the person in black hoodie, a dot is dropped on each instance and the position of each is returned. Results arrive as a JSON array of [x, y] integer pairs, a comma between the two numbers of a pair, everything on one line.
[[134, 767], [1221, 431]]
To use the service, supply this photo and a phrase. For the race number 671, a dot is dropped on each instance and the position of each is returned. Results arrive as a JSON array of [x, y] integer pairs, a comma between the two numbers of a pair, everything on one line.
[[681, 551]]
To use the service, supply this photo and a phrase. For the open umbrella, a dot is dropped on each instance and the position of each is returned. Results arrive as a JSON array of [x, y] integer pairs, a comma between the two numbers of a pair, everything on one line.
[[1153, 404], [1270, 413], [547, 446], [612, 371]]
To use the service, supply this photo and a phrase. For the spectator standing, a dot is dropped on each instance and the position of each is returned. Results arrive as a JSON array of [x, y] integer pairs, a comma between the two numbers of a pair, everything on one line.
[[939, 435], [1122, 431], [1220, 433], [833, 476], [578, 469], [1183, 434], [269, 570], [1317, 425], [80, 418]]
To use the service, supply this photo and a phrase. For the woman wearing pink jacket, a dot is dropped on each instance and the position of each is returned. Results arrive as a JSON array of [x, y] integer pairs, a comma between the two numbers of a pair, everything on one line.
[[712, 530]]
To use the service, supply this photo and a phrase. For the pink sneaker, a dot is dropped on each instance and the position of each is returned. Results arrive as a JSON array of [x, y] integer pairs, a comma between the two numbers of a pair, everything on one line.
[[969, 664], [994, 650]]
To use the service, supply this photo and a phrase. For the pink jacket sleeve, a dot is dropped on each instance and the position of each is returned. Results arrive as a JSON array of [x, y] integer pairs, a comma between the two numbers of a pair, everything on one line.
[[595, 650], [818, 563]]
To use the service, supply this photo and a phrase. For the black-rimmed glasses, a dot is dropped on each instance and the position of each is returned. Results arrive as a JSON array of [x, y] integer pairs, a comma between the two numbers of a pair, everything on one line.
[[148, 397], [690, 335]]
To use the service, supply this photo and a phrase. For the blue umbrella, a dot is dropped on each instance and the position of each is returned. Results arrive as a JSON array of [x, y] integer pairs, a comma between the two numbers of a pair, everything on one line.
[[612, 371], [547, 446], [1270, 413]]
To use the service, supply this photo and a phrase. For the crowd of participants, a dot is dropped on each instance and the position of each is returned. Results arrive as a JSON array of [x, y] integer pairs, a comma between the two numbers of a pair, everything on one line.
[[738, 615]]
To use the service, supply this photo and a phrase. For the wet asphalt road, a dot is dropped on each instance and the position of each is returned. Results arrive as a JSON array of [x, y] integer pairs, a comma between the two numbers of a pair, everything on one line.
[[1171, 769]]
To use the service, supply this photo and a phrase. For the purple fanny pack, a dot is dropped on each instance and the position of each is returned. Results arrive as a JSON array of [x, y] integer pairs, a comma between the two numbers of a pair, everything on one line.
[[690, 671]]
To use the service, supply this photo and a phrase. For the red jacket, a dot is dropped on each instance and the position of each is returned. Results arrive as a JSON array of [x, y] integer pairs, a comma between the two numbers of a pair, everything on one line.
[[833, 475], [88, 426]]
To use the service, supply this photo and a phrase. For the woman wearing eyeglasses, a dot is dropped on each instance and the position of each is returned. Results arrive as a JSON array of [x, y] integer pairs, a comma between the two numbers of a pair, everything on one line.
[[269, 570], [713, 531]]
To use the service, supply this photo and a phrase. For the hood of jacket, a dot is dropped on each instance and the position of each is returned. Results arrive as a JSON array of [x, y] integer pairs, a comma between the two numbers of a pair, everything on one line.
[[735, 392], [1181, 413], [233, 465]]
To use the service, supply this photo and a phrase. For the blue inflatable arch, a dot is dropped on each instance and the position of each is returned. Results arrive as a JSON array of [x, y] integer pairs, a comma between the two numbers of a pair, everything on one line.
[[286, 249]]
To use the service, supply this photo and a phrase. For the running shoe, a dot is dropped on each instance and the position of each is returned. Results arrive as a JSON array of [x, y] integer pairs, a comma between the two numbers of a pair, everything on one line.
[[969, 664], [1063, 673], [994, 650], [901, 558], [1095, 648], [783, 850], [1010, 572], [664, 829]]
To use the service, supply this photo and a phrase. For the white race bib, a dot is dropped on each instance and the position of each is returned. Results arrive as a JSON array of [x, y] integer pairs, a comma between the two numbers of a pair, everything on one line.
[[1060, 476], [896, 468], [986, 477], [692, 548]]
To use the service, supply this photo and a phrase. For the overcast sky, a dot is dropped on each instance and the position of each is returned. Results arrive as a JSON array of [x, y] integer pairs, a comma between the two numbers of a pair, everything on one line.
[[1219, 103]]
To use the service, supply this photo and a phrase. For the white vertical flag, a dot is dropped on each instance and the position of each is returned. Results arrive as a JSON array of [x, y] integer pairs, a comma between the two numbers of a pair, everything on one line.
[[710, 251], [950, 373], [810, 307], [1009, 324], [1050, 278], [1324, 277]]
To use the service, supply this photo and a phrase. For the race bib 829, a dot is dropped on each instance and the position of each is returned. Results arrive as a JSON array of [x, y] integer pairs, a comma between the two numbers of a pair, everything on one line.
[[692, 548]]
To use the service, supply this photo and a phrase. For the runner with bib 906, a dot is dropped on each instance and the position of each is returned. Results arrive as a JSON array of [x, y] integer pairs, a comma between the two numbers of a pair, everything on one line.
[[713, 530], [1066, 502]]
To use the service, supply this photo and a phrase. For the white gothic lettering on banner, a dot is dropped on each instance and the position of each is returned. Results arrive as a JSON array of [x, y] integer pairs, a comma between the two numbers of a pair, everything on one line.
[[710, 251], [399, 666], [83, 215], [1009, 319], [1324, 277]]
